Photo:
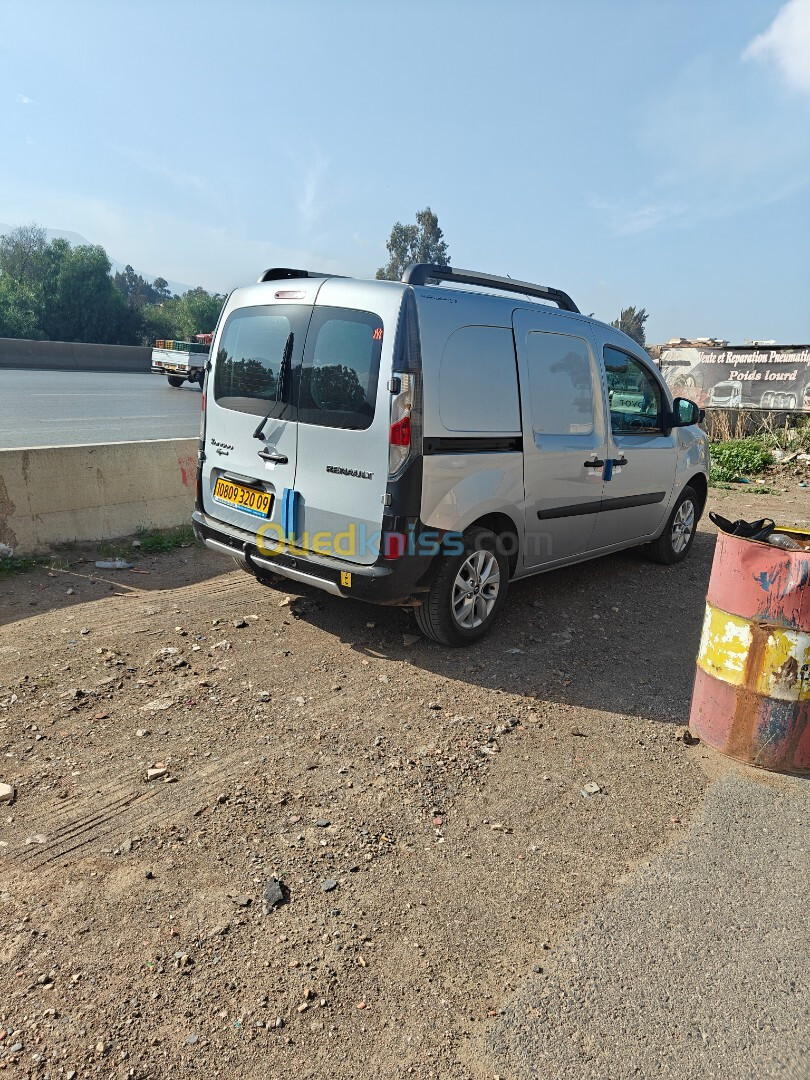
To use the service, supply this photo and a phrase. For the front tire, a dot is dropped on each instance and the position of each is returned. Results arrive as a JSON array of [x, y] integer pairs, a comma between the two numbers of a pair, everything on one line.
[[673, 545], [467, 593]]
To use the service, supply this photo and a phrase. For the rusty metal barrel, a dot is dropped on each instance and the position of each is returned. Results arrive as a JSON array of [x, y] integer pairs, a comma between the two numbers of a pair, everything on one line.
[[752, 686]]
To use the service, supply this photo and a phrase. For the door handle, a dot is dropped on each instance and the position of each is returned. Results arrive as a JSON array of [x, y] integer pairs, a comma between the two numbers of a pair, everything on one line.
[[271, 455], [595, 464], [620, 460]]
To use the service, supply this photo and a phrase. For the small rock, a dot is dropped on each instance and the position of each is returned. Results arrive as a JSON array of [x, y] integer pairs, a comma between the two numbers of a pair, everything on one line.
[[279, 1022], [157, 772], [101, 1046], [126, 847], [157, 705], [242, 901], [434, 705], [329, 884], [684, 735], [6, 793], [264, 695], [70, 592], [591, 788], [192, 1040], [141, 733], [409, 639], [240, 623], [323, 823], [115, 564], [273, 895], [37, 838], [16, 1048]]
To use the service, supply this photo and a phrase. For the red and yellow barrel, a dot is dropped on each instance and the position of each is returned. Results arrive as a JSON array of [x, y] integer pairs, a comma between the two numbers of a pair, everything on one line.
[[752, 687]]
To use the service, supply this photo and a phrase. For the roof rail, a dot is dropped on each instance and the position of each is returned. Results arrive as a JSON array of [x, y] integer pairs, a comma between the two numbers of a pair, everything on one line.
[[281, 273], [419, 273]]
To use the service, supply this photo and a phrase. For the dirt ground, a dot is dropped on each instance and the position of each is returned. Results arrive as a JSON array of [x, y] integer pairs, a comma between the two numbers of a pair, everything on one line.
[[422, 808]]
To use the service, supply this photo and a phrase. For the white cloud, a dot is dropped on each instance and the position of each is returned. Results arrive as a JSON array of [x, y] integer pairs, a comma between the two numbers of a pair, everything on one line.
[[786, 43], [22, 99], [630, 218], [180, 178]]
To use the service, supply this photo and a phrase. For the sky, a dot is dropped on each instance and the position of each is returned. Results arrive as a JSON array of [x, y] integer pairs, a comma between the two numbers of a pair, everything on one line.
[[653, 153]]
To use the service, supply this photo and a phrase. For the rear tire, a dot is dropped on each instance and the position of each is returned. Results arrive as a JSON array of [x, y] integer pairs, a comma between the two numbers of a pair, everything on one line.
[[674, 543], [467, 593], [175, 380]]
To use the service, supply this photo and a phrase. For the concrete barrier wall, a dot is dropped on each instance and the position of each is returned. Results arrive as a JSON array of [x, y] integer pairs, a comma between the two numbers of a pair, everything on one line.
[[51, 495], [73, 356]]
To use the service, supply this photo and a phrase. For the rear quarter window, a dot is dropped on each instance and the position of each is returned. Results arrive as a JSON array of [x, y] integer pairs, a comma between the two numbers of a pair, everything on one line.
[[478, 381]]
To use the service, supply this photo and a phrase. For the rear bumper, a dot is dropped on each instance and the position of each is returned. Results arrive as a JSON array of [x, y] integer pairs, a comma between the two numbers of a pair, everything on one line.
[[399, 582], [168, 369]]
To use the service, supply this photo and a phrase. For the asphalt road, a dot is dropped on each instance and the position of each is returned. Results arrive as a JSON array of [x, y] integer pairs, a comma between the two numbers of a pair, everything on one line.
[[61, 408], [697, 966]]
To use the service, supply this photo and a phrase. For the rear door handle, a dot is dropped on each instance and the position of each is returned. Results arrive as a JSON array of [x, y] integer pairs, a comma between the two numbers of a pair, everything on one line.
[[595, 464], [271, 455], [620, 461]]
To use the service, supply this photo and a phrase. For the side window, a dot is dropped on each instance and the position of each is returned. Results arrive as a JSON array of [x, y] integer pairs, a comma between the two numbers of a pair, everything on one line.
[[560, 384], [478, 381], [636, 406]]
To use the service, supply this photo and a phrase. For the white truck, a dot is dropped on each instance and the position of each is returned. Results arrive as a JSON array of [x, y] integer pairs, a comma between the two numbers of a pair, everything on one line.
[[182, 361]]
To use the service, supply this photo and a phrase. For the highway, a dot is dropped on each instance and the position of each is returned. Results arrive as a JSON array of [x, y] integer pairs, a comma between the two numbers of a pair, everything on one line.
[[61, 408]]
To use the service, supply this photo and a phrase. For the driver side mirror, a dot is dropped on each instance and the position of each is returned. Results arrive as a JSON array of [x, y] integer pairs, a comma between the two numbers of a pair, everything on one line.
[[685, 412]]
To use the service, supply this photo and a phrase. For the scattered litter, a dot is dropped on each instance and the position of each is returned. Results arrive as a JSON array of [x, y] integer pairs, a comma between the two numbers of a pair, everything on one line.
[[115, 564]]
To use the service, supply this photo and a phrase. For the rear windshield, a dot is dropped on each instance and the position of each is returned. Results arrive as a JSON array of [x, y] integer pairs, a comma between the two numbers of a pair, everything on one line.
[[319, 365], [338, 386]]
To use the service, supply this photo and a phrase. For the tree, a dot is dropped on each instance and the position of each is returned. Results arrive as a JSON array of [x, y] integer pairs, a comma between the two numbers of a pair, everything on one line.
[[137, 291], [419, 243], [181, 317], [21, 252], [631, 322], [19, 309]]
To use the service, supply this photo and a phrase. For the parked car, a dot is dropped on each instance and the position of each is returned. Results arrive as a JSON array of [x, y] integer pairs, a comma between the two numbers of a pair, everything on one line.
[[425, 442]]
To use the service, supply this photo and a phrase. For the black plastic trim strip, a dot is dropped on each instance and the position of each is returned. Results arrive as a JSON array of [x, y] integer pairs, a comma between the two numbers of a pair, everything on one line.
[[474, 444], [596, 506]]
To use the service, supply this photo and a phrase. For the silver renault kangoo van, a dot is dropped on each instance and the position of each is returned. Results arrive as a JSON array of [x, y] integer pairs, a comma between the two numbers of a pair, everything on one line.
[[424, 442]]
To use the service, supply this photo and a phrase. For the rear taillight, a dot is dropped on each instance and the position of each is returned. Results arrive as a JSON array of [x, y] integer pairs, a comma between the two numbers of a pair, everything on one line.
[[404, 432], [394, 544]]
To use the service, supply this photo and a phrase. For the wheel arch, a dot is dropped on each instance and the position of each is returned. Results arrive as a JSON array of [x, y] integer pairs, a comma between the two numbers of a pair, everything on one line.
[[508, 532], [700, 485]]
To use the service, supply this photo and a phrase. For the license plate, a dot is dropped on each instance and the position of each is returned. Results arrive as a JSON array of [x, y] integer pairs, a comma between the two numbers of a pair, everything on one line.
[[250, 500]]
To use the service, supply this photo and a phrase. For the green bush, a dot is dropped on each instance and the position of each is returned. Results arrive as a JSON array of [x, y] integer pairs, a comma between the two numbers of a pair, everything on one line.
[[738, 457]]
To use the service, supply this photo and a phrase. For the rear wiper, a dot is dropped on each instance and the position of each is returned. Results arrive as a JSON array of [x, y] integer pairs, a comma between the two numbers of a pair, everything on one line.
[[282, 375]]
